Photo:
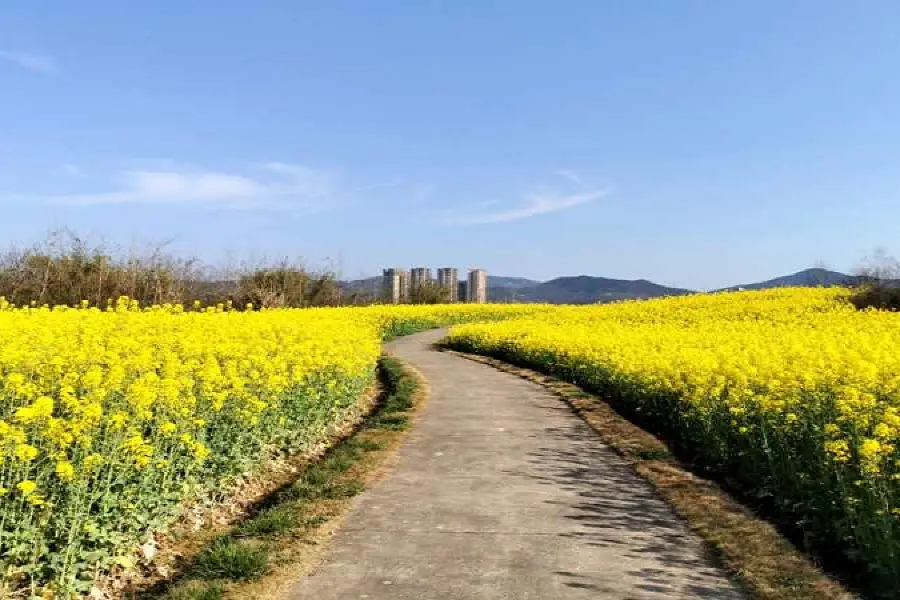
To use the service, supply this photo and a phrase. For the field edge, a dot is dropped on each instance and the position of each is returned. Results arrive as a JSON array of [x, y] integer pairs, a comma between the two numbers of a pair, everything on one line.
[[292, 528]]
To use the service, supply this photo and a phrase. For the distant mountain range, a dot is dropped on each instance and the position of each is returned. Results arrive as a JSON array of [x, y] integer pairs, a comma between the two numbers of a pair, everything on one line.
[[584, 289], [581, 289], [807, 278], [513, 283]]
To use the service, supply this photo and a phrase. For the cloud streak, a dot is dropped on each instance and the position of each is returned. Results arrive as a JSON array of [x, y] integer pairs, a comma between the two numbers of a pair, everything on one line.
[[570, 175], [535, 204], [279, 185], [35, 63]]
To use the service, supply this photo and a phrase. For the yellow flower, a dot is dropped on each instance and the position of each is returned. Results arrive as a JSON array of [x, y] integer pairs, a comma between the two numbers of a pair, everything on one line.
[[869, 449], [118, 420], [92, 462], [42, 408], [65, 470], [884, 431], [27, 487], [26, 452]]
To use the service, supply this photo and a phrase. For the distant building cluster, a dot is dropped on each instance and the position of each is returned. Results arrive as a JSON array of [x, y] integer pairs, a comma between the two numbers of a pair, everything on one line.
[[400, 286]]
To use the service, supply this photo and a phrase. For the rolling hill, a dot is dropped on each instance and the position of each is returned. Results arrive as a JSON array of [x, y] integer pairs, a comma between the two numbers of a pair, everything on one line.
[[513, 283], [806, 278], [583, 289]]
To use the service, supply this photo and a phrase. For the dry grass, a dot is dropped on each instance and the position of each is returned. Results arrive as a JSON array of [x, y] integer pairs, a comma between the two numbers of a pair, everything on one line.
[[767, 564]]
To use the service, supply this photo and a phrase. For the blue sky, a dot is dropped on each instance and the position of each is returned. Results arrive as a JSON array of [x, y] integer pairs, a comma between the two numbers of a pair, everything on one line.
[[698, 144]]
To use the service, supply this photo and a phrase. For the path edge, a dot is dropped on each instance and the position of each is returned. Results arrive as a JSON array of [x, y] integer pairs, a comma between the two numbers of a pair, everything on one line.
[[300, 551], [280, 585]]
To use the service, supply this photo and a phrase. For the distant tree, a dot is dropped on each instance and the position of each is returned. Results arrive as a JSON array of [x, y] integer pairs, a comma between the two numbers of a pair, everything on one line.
[[323, 289], [879, 278], [428, 292], [66, 270], [287, 285], [879, 267], [278, 286]]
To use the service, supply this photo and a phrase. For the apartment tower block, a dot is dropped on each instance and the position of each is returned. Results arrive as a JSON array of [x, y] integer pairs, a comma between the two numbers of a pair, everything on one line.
[[477, 287], [419, 276], [395, 286], [448, 280]]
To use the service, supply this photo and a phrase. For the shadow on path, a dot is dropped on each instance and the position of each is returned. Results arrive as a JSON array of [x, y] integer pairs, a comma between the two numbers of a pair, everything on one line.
[[617, 510]]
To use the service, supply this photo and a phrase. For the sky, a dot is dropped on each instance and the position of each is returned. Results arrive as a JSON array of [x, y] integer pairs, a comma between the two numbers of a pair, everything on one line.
[[694, 143]]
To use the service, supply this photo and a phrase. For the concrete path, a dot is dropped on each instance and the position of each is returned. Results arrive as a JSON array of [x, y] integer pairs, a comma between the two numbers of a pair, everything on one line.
[[502, 492]]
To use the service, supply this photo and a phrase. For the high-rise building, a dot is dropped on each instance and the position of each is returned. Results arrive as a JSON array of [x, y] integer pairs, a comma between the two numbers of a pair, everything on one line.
[[462, 294], [419, 276], [448, 280], [394, 286], [477, 288], [390, 286], [404, 285]]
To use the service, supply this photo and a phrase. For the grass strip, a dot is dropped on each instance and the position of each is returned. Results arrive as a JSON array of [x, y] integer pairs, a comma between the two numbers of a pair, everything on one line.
[[261, 556], [752, 549]]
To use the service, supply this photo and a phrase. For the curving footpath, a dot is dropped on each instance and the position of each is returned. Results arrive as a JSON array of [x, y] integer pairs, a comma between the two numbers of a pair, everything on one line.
[[502, 492]]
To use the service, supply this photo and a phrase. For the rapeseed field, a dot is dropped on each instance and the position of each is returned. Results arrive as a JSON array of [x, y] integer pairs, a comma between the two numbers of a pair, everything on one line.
[[111, 418], [791, 395]]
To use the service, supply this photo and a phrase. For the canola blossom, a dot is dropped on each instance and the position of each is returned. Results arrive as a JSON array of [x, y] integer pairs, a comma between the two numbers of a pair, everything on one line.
[[111, 419], [792, 395]]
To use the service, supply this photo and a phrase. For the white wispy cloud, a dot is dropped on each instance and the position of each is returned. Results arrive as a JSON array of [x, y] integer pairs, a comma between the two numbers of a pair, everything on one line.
[[36, 63], [277, 185], [534, 206], [538, 203], [319, 185], [570, 175]]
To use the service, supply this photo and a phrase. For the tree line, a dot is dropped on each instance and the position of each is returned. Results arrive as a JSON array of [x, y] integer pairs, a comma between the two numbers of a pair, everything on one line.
[[65, 269]]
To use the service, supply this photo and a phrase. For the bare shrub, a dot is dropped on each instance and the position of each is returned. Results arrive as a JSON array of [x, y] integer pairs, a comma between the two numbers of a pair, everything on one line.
[[879, 283], [65, 269], [428, 292]]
